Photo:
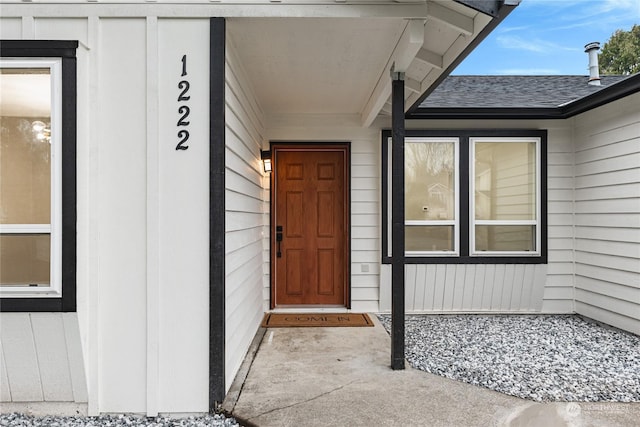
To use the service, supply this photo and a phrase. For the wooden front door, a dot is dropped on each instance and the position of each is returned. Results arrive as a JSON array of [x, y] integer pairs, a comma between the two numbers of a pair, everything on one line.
[[309, 225]]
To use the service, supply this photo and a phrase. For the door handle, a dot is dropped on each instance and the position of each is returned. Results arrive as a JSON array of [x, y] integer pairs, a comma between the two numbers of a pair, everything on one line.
[[279, 240]]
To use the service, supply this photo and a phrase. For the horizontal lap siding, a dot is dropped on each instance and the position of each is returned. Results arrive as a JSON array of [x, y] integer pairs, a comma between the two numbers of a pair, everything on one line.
[[365, 193], [558, 290], [365, 220], [608, 214], [246, 215]]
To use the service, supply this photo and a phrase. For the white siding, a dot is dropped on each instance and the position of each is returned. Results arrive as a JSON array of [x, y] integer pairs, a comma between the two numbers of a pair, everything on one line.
[[178, 307], [607, 145], [365, 193], [246, 214], [504, 288], [41, 358], [122, 214], [142, 224]]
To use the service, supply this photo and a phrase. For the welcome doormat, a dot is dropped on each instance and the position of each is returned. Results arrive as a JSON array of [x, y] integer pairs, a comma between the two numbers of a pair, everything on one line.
[[297, 320]]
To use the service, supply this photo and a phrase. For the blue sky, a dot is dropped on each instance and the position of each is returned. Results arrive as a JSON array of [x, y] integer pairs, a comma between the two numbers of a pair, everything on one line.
[[543, 37]]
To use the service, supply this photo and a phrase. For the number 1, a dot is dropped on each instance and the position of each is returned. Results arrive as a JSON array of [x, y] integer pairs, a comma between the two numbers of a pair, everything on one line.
[[184, 65]]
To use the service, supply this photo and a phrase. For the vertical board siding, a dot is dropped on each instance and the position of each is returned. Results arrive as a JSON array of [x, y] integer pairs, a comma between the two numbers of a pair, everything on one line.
[[51, 351], [138, 255], [41, 358], [182, 294], [122, 221], [245, 214], [499, 288], [75, 357], [19, 349], [5, 390], [505, 288], [607, 144]]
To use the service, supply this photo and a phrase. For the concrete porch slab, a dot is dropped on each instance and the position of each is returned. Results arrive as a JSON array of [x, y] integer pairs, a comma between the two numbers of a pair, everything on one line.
[[341, 376]]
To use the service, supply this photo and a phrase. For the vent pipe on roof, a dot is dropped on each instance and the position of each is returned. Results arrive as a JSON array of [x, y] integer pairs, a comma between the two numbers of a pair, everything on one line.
[[594, 70]]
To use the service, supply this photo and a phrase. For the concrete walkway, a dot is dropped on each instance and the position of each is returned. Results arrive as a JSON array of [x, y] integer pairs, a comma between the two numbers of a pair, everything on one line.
[[307, 377]]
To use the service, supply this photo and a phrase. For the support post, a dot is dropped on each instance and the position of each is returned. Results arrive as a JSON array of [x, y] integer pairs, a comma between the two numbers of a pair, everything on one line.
[[397, 220], [217, 214]]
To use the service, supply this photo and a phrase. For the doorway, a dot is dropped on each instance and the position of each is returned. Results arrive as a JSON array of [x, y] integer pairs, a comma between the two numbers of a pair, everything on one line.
[[310, 225]]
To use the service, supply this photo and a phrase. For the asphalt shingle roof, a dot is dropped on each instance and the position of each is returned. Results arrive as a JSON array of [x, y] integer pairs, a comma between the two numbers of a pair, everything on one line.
[[513, 91]]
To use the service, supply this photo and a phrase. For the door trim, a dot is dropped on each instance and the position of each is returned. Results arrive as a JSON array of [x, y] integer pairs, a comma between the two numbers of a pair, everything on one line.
[[311, 146]]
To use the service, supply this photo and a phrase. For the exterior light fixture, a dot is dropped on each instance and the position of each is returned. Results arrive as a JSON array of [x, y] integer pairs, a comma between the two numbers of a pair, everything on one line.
[[265, 155]]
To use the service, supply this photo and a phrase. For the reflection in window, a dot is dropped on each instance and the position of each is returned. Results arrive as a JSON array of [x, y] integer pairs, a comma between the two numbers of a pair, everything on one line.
[[505, 195], [430, 194], [25, 176]]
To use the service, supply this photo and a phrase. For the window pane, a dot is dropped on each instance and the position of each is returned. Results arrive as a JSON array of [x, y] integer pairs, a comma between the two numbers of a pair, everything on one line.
[[24, 259], [505, 238], [429, 238], [429, 181], [505, 180], [25, 146]]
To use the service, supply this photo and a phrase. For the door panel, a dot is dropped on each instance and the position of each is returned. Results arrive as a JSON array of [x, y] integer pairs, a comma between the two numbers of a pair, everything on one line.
[[310, 202]]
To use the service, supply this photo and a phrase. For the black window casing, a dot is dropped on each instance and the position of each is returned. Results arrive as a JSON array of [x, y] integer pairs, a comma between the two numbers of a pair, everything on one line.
[[66, 50], [463, 197]]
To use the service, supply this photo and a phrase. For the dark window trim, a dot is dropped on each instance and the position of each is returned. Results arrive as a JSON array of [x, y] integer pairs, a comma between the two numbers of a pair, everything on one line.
[[67, 51], [464, 257]]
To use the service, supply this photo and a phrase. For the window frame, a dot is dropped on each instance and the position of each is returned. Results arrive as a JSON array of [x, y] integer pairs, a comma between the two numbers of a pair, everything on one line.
[[61, 294], [53, 227], [472, 205], [456, 212], [464, 200]]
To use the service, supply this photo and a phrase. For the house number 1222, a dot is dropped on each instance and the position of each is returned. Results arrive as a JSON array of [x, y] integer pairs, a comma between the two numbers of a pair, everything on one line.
[[183, 110]]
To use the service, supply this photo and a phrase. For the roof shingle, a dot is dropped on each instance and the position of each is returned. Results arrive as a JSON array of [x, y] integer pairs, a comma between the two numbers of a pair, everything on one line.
[[513, 91]]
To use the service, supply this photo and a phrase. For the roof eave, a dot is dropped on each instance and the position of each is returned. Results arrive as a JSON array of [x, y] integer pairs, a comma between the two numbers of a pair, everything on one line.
[[612, 93], [485, 113], [505, 8]]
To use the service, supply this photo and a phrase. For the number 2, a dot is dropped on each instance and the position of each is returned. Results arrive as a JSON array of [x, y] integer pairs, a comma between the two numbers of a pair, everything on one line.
[[184, 85], [184, 136], [184, 110]]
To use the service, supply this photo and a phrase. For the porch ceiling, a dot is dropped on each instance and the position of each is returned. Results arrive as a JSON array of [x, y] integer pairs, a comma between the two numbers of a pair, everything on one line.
[[342, 65]]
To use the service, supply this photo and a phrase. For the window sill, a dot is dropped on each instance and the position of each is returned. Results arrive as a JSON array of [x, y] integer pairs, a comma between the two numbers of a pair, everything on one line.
[[503, 259]]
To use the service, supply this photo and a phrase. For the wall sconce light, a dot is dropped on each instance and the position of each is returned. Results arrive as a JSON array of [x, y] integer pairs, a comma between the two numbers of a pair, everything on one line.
[[265, 155]]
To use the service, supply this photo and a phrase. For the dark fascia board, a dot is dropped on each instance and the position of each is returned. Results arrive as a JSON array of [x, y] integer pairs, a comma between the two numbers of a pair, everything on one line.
[[612, 93], [485, 113], [619, 90], [505, 9], [488, 7]]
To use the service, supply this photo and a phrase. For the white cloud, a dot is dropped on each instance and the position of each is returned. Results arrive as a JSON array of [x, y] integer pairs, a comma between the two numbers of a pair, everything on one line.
[[528, 71], [532, 45], [559, 15]]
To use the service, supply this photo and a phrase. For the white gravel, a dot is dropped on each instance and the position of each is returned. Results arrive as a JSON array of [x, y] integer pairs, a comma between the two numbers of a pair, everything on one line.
[[15, 420], [538, 357]]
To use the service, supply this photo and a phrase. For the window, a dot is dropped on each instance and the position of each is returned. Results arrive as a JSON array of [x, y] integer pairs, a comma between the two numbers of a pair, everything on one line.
[[431, 186], [37, 175], [505, 201], [470, 196]]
